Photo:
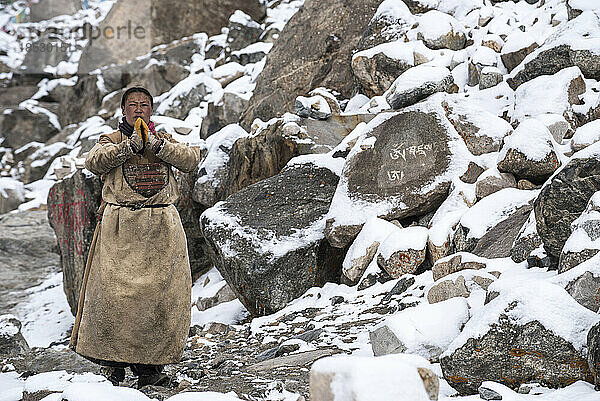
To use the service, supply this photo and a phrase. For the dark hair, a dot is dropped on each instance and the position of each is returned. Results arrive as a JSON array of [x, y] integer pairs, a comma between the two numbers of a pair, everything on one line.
[[134, 90]]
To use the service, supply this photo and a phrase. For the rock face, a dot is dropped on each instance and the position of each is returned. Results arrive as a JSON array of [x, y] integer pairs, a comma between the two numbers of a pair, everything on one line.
[[527, 241], [38, 56], [279, 251], [399, 168], [79, 101], [44, 10], [200, 16], [21, 126], [293, 68], [593, 344], [72, 205], [562, 200], [500, 344]]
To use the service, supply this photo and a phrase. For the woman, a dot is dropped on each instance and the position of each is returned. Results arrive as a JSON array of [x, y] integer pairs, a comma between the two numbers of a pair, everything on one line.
[[135, 306]]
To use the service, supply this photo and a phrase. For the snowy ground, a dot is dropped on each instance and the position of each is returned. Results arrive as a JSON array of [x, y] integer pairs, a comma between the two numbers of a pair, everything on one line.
[[46, 319]]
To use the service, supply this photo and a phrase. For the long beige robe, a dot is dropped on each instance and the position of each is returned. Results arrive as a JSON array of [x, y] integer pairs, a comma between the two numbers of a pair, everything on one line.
[[137, 298]]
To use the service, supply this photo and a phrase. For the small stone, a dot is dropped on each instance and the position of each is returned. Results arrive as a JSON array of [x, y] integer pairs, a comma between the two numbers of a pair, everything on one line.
[[487, 394], [336, 300]]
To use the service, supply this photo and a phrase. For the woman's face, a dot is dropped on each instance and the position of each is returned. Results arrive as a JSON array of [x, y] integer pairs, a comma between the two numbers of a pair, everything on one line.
[[137, 105]]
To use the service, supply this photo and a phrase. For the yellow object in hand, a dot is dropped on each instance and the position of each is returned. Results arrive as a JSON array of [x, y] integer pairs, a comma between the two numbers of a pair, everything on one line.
[[142, 129]]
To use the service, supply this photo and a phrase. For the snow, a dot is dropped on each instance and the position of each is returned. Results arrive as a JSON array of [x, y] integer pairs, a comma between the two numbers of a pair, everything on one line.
[[8, 329], [404, 239], [356, 102], [254, 48], [427, 330], [218, 145], [317, 102], [240, 17], [494, 208], [46, 316], [101, 392], [333, 164], [352, 377], [374, 230], [12, 189], [203, 396], [435, 24], [398, 50], [516, 41], [447, 216]]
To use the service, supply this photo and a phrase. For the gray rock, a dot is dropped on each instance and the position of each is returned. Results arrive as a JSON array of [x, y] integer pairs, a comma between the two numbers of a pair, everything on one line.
[[472, 174], [223, 295], [482, 131], [41, 360], [38, 163], [11, 194], [441, 37], [359, 265], [181, 104], [452, 265], [72, 205], [240, 34], [49, 50], [493, 183], [267, 151], [293, 68], [527, 240], [14, 95], [563, 199], [273, 210], [377, 73], [581, 244], [410, 150], [488, 394], [300, 359], [80, 101], [584, 289], [247, 55], [45, 10], [20, 126], [402, 93], [386, 27], [402, 262], [513, 352], [447, 289], [313, 107], [227, 112], [489, 77], [513, 59], [200, 16], [27, 254], [499, 233], [384, 341], [12, 342], [593, 358], [515, 161]]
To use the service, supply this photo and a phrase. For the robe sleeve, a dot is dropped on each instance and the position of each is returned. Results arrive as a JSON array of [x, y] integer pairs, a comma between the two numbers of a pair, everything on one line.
[[106, 155], [181, 156]]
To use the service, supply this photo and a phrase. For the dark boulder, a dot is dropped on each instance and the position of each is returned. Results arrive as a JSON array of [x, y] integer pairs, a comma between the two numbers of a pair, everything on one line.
[[267, 239]]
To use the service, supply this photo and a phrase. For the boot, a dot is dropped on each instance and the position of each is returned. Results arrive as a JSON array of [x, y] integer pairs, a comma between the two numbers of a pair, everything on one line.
[[114, 375], [150, 375]]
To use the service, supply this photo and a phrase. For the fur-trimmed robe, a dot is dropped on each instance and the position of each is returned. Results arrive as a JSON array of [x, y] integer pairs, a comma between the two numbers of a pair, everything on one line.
[[137, 297]]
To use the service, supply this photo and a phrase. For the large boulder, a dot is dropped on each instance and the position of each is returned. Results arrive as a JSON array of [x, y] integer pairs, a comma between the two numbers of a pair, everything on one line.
[[564, 197], [582, 282], [293, 68], [80, 101], [561, 50], [418, 83], [526, 334], [401, 166], [20, 126], [389, 24], [267, 239], [72, 206]]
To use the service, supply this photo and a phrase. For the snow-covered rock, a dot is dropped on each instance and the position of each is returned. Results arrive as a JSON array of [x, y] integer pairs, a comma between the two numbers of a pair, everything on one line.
[[401, 165], [424, 330], [400, 377], [583, 243], [529, 152], [417, 83], [12, 194], [403, 251], [586, 135], [491, 181], [529, 332]]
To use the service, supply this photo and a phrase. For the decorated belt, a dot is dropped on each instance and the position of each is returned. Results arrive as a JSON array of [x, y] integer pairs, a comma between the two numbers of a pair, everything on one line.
[[140, 206]]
